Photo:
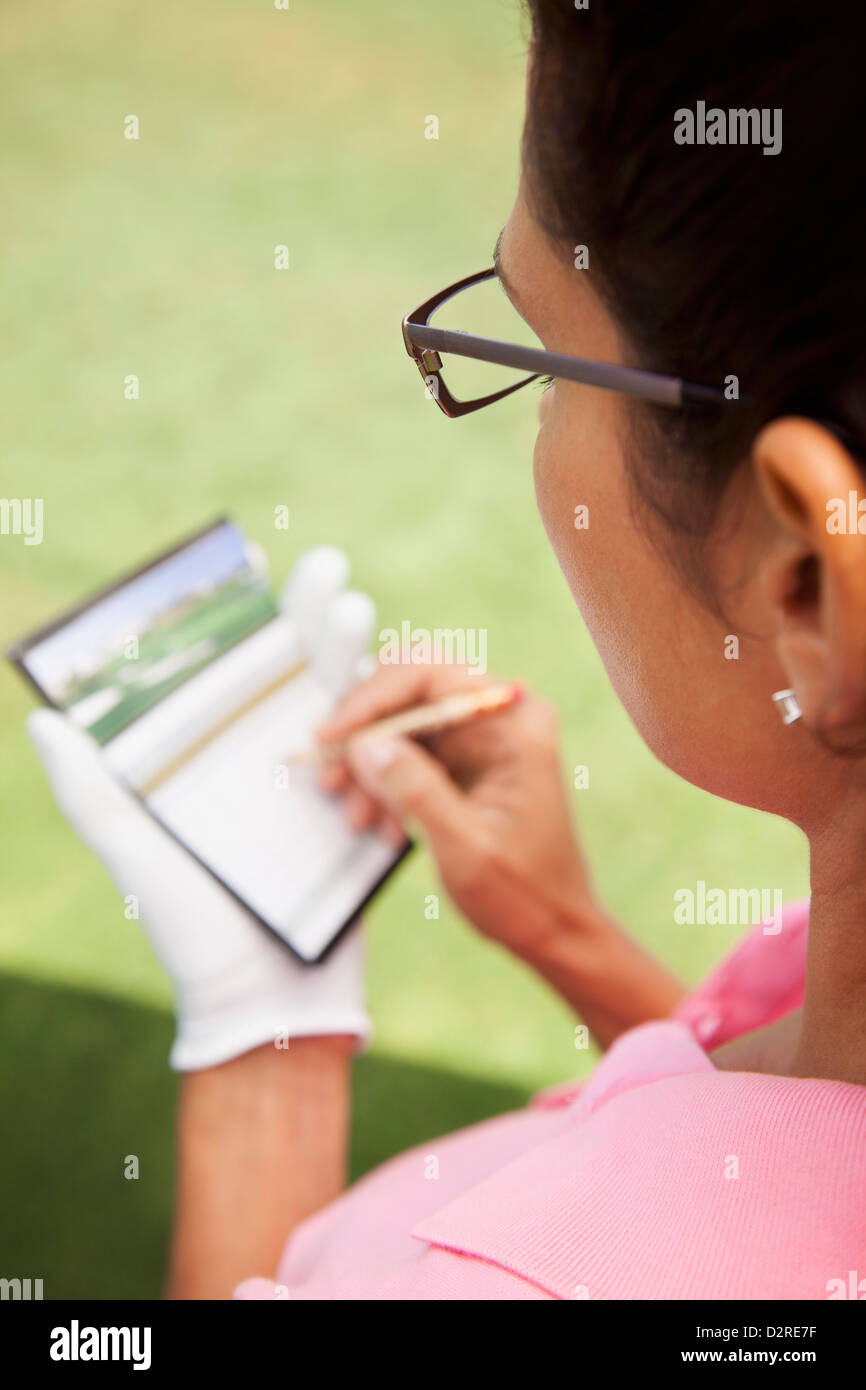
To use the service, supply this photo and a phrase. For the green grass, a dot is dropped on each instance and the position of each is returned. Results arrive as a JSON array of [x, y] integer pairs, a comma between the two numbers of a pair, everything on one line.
[[201, 628], [261, 388]]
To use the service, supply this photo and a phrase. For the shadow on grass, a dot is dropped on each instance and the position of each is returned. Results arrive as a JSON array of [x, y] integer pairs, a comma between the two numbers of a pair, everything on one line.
[[84, 1083]]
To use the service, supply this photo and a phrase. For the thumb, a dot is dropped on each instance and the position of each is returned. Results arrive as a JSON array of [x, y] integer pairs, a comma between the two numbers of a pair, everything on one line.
[[90, 797], [412, 785]]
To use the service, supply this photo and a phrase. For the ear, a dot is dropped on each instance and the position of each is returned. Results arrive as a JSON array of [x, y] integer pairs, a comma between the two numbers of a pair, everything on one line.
[[815, 569]]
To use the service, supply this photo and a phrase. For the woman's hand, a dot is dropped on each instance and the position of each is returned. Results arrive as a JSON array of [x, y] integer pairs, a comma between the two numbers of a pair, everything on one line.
[[488, 795], [491, 801], [236, 986]]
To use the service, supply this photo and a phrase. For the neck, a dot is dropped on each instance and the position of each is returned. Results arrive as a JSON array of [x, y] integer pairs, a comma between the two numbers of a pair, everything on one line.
[[832, 1042]]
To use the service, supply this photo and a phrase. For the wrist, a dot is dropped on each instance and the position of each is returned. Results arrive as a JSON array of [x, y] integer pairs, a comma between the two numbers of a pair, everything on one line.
[[262, 1145], [606, 976], [577, 950]]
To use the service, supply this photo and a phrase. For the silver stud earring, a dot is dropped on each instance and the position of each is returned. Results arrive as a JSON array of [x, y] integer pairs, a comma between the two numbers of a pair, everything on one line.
[[788, 705]]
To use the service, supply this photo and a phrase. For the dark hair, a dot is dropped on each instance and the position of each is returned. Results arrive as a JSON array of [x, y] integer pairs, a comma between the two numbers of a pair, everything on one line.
[[713, 259]]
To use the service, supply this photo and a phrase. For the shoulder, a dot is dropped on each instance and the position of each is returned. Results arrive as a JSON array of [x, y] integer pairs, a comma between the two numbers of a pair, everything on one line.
[[675, 1180]]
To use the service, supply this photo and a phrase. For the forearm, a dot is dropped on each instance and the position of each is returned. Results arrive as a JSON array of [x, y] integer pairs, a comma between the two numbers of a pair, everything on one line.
[[262, 1144], [610, 981]]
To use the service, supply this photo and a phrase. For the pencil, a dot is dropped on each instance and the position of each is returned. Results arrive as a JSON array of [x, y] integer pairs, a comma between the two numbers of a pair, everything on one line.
[[423, 719]]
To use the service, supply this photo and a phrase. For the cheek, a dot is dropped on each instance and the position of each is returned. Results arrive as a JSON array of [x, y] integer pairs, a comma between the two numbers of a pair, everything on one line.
[[578, 487], [624, 590], [708, 718]]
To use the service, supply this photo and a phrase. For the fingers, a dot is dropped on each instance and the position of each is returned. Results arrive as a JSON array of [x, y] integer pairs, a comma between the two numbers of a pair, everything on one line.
[[393, 830], [334, 626], [334, 775], [393, 688], [534, 729], [438, 774], [402, 776], [92, 799], [344, 634], [317, 577], [360, 809], [463, 750], [388, 690]]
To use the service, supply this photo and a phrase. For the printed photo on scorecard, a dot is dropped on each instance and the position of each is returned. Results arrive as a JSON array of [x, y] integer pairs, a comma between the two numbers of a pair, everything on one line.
[[201, 691]]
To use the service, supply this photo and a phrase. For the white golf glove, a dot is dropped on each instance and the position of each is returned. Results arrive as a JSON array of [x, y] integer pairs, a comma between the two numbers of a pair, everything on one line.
[[236, 986]]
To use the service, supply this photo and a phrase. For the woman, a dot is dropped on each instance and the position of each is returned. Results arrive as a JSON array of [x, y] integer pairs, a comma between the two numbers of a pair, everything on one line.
[[718, 1150]]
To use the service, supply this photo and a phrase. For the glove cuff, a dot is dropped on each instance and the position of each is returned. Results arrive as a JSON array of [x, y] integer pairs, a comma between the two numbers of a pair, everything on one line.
[[197, 1046]]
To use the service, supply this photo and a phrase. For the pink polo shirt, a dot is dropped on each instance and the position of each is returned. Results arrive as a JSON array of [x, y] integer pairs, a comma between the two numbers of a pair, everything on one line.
[[659, 1177]]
